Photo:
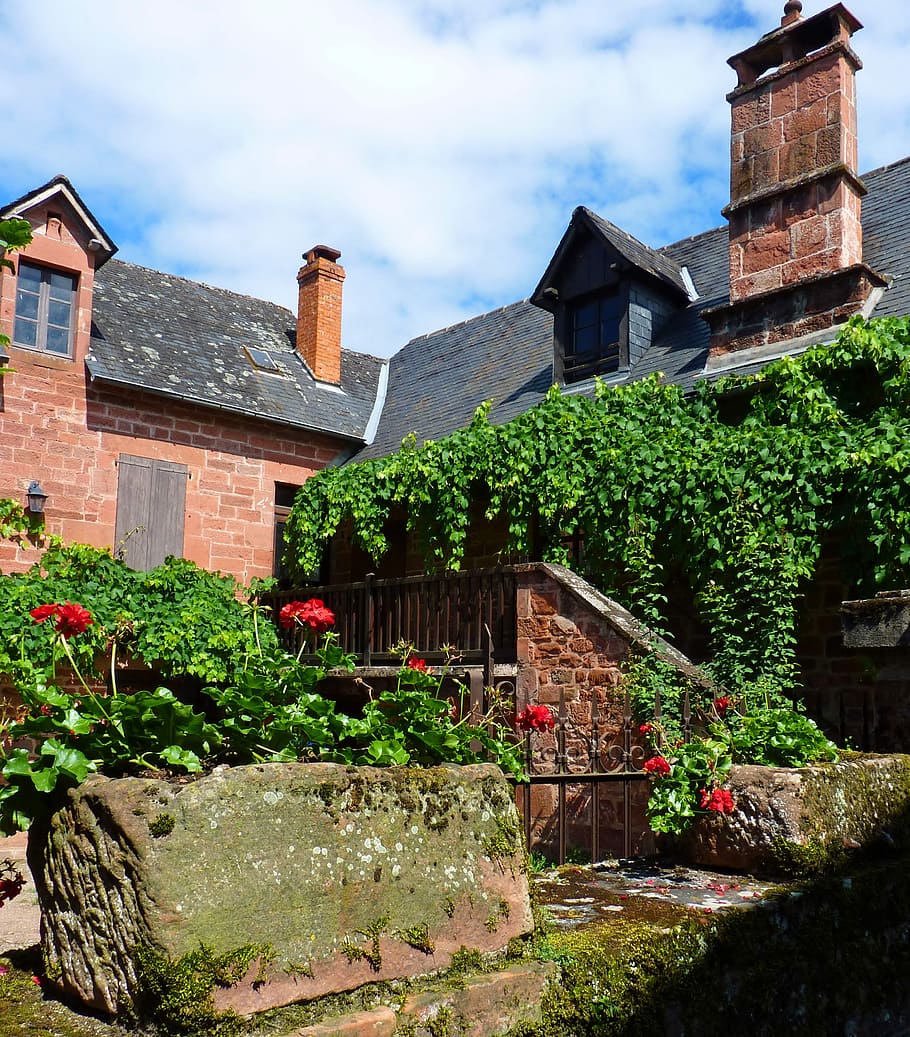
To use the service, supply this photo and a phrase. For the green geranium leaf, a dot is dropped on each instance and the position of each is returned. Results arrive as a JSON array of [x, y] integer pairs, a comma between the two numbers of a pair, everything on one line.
[[174, 756]]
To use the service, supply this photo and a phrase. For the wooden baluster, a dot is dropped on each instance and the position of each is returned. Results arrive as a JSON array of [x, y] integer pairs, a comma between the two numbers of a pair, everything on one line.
[[367, 630]]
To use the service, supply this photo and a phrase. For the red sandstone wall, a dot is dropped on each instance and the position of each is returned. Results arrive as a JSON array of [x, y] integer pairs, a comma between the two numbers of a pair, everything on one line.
[[567, 652], [57, 427], [855, 694]]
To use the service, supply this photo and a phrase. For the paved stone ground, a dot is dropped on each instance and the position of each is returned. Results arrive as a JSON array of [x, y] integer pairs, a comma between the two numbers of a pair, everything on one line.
[[580, 896], [19, 918]]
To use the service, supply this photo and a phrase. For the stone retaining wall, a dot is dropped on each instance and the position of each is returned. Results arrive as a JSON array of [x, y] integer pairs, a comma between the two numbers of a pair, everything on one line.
[[800, 821]]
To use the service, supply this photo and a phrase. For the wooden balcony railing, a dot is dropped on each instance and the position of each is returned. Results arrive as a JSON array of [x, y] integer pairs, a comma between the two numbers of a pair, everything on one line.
[[427, 612]]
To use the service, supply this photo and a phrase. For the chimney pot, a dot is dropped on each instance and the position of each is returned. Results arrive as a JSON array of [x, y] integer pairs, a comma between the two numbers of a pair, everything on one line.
[[322, 252], [795, 234], [792, 11]]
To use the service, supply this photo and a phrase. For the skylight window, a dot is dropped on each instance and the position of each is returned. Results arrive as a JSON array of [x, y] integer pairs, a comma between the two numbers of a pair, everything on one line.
[[262, 359]]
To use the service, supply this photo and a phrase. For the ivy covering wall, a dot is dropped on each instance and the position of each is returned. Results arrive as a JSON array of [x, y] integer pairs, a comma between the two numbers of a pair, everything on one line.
[[732, 489]]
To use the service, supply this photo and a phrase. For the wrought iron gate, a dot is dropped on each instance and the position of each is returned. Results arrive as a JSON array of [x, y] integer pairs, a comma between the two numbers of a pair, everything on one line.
[[586, 789]]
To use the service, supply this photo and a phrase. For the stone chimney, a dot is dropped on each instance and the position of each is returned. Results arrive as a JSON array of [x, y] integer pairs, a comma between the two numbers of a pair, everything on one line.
[[320, 281], [796, 238]]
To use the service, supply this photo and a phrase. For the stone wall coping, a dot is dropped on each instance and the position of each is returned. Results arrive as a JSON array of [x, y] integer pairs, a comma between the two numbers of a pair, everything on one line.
[[879, 622]]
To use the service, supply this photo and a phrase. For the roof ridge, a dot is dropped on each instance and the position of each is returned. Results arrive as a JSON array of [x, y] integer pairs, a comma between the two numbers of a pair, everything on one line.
[[691, 237], [200, 284], [886, 168], [618, 229], [234, 294]]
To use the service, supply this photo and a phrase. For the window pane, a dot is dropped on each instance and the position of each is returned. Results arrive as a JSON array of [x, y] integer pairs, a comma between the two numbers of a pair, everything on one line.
[[26, 305], [594, 346], [29, 275], [58, 340], [25, 332], [59, 313], [586, 315], [61, 286], [609, 332], [611, 308], [585, 342]]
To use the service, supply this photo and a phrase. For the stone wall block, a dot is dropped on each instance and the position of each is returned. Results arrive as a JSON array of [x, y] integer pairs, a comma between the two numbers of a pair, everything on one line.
[[542, 605], [783, 99], [315, 861], [822, 810]]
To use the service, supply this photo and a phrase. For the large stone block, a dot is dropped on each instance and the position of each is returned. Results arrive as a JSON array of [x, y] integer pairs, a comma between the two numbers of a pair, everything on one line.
[[340, 876], [802, 819]]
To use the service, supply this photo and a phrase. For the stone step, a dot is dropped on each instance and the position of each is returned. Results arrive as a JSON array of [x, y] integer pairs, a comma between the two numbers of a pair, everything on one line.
[[486, 1006]]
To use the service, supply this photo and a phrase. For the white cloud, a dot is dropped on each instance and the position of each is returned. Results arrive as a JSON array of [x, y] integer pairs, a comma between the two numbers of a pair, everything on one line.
[[441, 146]]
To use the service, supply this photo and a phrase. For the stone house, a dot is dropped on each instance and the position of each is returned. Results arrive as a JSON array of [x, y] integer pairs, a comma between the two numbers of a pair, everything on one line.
[[807, 243], [161, 416]]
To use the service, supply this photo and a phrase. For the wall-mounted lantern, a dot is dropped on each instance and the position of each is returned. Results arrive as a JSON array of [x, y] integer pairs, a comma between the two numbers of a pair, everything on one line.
[[36, 498]]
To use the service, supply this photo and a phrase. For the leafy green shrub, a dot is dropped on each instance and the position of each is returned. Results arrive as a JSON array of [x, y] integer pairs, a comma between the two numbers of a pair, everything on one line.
[[178, 618], [688, 780], [729, 491]]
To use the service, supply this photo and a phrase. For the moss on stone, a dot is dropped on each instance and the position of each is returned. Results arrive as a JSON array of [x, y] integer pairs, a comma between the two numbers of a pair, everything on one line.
[[161, 825], [25, 1009], [177, 996], [801, 860], [372, 952], [418, 937], [503, 845], [849, 807], [834, 952]]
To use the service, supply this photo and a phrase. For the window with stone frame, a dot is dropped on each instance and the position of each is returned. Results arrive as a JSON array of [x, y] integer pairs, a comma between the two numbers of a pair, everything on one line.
[[45, 309]]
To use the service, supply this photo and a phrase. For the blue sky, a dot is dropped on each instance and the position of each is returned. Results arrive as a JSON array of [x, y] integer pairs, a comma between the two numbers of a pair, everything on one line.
[[440, 146]]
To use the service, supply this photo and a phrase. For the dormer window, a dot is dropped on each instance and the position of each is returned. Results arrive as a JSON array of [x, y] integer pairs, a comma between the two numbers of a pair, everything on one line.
[[45, 304], [609, 295], [593, 339]]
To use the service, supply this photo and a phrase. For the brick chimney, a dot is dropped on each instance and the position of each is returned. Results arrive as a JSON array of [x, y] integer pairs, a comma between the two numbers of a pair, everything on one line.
[[796, 239], [320, 281]]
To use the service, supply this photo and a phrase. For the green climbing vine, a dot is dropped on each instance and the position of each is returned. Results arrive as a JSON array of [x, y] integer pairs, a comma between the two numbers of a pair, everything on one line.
[[730, 491]]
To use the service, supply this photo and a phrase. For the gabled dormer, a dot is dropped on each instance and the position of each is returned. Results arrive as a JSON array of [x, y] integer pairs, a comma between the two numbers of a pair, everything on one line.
[[609, 295], [46, 300]]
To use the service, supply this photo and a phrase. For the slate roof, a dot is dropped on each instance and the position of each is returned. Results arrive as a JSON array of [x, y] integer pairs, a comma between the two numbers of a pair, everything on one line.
[[179, 338], [437, 381]]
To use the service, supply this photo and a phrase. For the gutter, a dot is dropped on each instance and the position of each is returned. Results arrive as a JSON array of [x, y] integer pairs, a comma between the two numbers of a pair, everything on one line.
[[211, 404]]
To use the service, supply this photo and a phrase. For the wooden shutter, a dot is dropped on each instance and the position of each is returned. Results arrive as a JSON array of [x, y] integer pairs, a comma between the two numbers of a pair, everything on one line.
[[151, 504]]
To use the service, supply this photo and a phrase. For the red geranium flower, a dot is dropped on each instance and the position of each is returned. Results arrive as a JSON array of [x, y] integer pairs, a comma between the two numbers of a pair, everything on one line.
[[312, 613], [417, 664], [645, 729], [535, 718], [722, 704], [657, 765], [718, 800], [43, 612], [72, 619], [11, 881]]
